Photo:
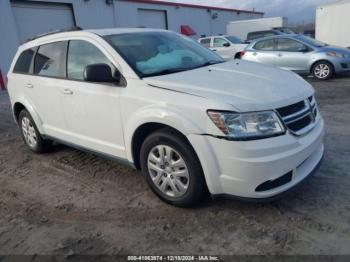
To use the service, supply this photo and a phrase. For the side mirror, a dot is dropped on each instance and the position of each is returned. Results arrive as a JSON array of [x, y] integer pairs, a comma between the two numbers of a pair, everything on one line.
[[100, 73], [226, 44]]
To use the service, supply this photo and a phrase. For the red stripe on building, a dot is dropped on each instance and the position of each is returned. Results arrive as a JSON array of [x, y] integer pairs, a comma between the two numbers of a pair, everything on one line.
[[156, 2]]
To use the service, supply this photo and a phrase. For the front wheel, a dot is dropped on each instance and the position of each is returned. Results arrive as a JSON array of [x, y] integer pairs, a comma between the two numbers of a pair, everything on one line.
[[172, 169], [323, 70]]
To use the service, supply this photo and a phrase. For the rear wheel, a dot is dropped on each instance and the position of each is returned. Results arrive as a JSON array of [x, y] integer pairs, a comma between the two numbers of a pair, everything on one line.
[[172, 169], [31, 135], [323, 70]]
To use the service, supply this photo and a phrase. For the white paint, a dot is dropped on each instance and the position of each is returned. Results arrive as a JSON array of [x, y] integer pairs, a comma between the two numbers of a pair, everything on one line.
[[104, 118], [332, 24]]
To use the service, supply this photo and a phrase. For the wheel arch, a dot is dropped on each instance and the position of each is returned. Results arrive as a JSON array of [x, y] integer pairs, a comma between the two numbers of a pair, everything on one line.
[[143, 131], [22, 104], [318, 61]]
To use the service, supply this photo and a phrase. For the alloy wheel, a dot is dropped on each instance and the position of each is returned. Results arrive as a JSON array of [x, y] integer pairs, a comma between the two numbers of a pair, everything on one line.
[[322, 71], [28, 132], [168, 171]]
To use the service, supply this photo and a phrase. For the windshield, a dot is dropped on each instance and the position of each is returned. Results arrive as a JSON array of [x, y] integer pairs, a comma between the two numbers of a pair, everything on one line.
[[160, 53], [234, 39], [312, 41]]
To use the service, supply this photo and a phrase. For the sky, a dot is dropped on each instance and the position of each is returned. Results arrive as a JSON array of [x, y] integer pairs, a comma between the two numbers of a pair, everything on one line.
[[297, 11]]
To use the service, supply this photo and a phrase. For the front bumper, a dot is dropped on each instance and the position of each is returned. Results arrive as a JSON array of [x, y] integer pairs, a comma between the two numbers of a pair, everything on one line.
[[341, 65], [237, 168]]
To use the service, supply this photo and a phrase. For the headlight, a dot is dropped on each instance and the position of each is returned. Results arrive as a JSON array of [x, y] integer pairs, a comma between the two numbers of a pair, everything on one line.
[[247, 125], [335, 54]]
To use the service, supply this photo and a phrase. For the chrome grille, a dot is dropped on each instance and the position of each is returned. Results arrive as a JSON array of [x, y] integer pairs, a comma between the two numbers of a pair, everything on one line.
[[300, 117]]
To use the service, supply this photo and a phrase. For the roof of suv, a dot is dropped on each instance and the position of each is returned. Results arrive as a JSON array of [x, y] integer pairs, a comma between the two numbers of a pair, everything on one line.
[[101, 32]]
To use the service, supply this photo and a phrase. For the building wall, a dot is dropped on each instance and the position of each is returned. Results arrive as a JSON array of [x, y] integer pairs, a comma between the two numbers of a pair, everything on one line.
[[93, 14]]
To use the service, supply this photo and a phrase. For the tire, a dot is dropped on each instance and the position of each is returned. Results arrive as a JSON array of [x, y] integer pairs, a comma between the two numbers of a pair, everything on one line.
[[31, 135], [183, 185], [323, 70]]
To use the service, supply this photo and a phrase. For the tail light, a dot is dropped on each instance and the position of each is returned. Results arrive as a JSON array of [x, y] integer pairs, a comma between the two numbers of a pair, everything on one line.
[[241, 54]]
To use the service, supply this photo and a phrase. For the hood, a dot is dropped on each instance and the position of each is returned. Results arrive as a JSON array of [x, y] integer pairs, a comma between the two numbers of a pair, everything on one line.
[[338, 49], [245, 85]]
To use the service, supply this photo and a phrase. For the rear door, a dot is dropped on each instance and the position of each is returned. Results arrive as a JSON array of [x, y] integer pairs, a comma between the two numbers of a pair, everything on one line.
[[292, 55], [43, 86], [263, 52], [91, 110]]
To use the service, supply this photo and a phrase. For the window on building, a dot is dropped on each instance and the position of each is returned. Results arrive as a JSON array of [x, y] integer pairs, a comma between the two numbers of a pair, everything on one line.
[[82, 54], [24, 61], [49, 60], [205, 42], [220, 42], [265, 45]]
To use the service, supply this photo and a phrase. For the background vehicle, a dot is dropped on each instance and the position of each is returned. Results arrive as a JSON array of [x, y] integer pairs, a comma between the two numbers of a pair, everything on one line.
[[300, 54], [332, 23], [241, 28], [261, 34], [227, 46], [165, 104]]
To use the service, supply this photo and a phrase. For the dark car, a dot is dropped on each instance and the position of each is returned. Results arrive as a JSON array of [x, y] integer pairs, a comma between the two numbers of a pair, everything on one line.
[[265, 33]]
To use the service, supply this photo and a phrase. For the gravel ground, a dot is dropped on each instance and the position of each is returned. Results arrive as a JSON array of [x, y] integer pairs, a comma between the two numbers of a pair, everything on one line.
[[70, 202]]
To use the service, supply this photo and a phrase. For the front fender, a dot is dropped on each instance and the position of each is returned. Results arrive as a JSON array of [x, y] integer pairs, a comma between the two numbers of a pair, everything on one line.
[[160, 115]]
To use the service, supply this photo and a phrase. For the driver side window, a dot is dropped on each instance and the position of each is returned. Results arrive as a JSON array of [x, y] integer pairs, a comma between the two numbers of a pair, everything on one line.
[[220, 42], [81, 54]]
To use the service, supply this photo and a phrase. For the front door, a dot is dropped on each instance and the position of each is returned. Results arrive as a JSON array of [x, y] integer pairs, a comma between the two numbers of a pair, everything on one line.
[[223, 48], [292, 55], [92, 110]]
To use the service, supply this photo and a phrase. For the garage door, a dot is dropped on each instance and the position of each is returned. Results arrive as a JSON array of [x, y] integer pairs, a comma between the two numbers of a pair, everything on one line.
[[33, 19], [152, 18]]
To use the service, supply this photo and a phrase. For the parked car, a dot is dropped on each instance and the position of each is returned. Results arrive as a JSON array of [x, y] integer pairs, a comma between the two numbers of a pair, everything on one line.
[[301, 54], [228, 47], [164, 104]]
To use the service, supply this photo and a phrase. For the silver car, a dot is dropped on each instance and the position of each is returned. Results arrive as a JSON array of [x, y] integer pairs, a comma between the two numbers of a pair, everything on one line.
[[301, 54]]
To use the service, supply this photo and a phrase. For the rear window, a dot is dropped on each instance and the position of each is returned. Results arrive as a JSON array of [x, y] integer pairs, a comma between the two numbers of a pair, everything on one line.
[[24, 61], [205, 42], [50, 60], [265, 45]]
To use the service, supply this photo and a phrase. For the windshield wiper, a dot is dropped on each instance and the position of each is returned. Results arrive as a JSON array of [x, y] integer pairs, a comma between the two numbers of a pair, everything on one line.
[[176, 70], [166, 72], [208, 63]]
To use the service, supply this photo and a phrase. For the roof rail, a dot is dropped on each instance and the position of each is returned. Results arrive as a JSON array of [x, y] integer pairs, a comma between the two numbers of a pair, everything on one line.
[[71, 29]]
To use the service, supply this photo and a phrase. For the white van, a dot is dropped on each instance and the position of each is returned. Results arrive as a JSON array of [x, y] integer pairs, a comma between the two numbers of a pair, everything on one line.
[[163, 103]]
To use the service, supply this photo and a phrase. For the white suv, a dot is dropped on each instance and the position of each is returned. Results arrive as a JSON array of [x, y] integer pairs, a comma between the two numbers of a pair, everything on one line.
[[167, 105]]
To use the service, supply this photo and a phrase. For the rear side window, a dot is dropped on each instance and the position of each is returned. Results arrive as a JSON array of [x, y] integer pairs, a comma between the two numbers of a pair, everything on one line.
[[290, 45], [82, 54], [265, 45], [50, 60], [24, 61], [205, 42]]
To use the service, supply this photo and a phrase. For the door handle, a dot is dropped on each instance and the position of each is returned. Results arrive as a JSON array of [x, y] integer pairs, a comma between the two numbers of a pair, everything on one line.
[[29, 86], [67, 92]]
